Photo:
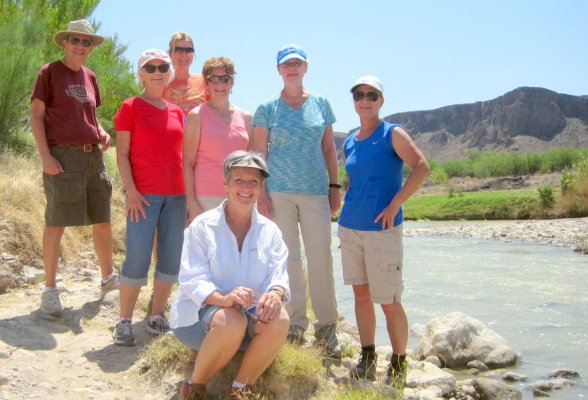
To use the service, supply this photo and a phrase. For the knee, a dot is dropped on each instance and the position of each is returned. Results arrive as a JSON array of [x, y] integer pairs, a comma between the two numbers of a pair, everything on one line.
[[229, 320], [362, 294]]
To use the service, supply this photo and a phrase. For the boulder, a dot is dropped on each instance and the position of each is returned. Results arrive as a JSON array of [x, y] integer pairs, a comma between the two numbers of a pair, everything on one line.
[[424, 375], [457, 339], [489, 389]]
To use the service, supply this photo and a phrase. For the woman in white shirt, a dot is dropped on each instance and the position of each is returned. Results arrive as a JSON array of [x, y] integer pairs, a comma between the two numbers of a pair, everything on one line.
[[233, 282]]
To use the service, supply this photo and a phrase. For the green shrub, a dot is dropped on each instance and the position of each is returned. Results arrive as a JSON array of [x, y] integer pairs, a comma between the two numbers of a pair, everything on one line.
[[438, 176], [546, 196]]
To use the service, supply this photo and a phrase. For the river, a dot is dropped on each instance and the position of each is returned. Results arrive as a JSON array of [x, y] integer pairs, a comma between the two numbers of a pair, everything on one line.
[[533, 295]]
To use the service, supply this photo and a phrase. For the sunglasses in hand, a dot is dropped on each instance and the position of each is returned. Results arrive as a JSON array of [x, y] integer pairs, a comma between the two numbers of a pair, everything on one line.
[[250, 313]]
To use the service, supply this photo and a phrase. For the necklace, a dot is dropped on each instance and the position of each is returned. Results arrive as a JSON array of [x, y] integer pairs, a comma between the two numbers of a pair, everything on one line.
[[156, 102]]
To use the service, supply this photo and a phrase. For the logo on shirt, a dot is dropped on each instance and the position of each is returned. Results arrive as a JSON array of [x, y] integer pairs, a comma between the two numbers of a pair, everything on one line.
[[78, 92]]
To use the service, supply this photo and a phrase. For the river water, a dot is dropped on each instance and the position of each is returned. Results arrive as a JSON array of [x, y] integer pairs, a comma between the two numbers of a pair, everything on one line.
[[535, 296]]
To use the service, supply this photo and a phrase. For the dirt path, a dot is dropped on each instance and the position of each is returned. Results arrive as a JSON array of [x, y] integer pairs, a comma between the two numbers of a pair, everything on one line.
[[72, 357]]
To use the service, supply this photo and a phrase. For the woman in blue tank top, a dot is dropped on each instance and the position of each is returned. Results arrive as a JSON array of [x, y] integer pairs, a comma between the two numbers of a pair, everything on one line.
[[370, 225]]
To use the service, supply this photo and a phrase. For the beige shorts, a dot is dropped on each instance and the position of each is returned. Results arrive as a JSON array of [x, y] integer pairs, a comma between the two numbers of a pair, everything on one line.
[[373, 258]]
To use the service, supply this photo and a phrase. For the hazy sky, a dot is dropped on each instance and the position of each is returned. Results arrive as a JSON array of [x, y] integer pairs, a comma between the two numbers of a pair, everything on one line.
[[428, 54]]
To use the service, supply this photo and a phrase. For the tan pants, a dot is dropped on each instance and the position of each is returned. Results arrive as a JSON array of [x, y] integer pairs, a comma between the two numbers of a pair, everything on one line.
[[313, 215]]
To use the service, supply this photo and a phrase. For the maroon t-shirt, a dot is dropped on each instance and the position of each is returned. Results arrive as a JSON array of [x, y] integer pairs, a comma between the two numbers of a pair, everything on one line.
[[70, 98]]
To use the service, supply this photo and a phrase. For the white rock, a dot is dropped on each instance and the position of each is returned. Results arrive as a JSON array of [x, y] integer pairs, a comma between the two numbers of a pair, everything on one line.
[[457, 338], [425, 374]]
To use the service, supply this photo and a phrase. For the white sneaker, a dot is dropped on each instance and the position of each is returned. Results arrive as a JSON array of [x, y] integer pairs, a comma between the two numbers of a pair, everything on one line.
[[50, 302], [110, 285]]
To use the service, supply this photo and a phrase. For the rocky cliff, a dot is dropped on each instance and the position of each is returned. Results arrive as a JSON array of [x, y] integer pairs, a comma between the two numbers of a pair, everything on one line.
[[524, 120]]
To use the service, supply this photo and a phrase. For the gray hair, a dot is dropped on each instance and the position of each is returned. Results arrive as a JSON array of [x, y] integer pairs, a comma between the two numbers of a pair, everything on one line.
[[247, 159]]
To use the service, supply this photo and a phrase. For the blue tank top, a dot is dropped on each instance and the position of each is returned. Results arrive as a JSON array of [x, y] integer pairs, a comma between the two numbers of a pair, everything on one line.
[[375, 176]]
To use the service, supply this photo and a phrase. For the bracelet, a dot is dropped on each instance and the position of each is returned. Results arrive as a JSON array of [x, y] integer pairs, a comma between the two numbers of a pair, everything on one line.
[[278, 291], [334, 185], [192, 203]]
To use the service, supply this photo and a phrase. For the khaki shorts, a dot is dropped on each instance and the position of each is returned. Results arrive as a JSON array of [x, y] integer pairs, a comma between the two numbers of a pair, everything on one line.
[[81, 194], [373, 258]]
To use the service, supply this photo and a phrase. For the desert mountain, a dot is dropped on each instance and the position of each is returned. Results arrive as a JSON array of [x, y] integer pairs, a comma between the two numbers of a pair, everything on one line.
[[524, 120]]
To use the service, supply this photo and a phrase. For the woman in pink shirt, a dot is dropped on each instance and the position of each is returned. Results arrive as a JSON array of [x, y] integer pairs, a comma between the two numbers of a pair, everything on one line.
[[213, 130]]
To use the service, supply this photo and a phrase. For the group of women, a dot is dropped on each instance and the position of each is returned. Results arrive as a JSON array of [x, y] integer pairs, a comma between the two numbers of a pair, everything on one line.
[[182, 145]]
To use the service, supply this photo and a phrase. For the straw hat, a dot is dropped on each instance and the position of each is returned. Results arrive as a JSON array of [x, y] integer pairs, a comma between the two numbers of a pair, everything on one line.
[[81, 27]]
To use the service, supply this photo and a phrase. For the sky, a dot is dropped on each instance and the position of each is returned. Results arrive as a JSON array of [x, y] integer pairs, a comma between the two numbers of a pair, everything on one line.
[[428, 54]]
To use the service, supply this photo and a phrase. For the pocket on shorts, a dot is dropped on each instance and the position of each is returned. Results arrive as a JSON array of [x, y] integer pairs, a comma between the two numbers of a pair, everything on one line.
[[105, 191], [67, 188]]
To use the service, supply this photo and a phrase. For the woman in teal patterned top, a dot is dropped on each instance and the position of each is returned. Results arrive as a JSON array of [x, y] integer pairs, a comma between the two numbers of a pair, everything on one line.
[[294, 130]]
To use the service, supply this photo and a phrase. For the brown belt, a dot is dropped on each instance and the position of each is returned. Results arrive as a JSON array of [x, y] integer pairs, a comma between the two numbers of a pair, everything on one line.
[[86, 148]]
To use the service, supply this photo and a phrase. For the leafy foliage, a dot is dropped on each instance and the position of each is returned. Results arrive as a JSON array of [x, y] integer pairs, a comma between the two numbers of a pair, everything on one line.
[[26, 32]]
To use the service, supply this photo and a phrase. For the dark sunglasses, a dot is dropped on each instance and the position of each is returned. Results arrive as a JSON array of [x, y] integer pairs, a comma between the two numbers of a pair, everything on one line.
[[150, 68], [219, 78], [187, 50], [250, 313], [76, 40], [372, 96]]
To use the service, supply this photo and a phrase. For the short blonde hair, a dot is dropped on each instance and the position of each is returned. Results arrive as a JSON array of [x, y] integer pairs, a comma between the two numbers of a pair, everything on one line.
[[218, 62], [179, 36]]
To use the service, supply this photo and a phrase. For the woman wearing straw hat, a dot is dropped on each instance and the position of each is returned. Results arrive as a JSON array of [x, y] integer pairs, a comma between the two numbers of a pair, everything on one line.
[[68, 135]]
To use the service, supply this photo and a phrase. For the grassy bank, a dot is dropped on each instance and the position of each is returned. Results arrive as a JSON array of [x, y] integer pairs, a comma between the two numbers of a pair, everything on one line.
[[500, 204]]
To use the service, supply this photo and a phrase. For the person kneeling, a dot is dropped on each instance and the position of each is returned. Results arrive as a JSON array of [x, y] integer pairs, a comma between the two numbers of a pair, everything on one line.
[[233, 283]]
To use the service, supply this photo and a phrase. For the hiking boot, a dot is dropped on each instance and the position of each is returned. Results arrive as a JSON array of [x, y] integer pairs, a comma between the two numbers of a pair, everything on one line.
[[396, 372], [242, 393], [366, 366], [110, 285], [123, 333], [193, 391], [326, 337], [159, 326], [295, 335], [50, 302]]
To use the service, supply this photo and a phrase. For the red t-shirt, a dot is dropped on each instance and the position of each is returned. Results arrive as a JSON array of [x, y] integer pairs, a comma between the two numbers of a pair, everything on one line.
[[156, 145], [70, 98]]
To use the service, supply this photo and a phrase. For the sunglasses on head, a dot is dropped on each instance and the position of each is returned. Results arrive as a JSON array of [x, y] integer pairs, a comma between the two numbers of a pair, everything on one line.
[[150, 68], [187, 50], [76, 40], [219, 78], [372, 96]]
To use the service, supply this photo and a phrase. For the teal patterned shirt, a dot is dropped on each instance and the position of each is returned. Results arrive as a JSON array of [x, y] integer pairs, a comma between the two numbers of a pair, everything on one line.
[[295, 157]]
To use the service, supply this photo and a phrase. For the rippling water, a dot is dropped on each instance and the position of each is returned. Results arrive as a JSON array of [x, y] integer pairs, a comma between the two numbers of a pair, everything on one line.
[[535, 296]]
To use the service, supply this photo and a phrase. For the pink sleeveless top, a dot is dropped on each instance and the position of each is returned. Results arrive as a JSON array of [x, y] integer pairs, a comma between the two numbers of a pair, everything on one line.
[[217, 140]]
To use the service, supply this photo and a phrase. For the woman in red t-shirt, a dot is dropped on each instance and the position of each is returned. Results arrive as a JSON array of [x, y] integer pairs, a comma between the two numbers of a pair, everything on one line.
[[149, 156]]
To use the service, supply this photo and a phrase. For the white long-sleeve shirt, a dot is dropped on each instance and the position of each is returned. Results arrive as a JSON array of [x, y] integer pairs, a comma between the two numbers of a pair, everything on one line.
[[211, 261]]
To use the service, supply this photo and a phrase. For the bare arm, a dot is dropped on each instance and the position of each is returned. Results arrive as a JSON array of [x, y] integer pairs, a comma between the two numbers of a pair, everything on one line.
[[411, 155], [105, 138], [260, 145], [135, 200], [330, 156], [50, 164], [190, 144]]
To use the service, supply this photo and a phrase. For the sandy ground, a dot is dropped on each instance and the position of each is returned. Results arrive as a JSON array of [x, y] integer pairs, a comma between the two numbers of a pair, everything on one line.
[[72, 357]]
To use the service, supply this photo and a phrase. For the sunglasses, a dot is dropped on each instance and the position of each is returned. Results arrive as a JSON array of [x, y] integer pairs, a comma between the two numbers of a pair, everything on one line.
[[76, 40], [150, 68], [187, 50], [219, 78], [372, 96], [250, 313]]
